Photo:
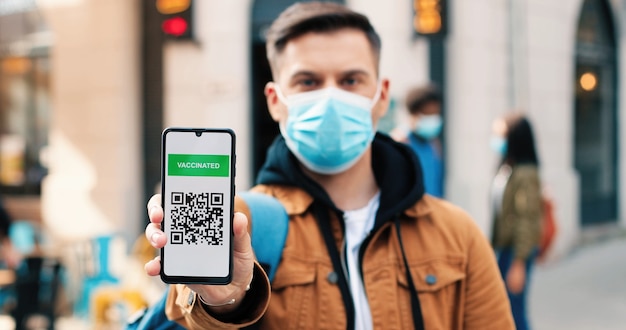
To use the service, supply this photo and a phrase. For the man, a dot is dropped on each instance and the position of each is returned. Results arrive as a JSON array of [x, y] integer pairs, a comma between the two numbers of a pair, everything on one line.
[[424, 107], [359, 221]]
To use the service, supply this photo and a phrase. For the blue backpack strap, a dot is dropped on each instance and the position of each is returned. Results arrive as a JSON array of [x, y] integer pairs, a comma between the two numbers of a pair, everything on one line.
[[270, 224]]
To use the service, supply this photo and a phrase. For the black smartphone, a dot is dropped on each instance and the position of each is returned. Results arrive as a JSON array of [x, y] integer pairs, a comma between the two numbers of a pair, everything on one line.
[[197, 189]]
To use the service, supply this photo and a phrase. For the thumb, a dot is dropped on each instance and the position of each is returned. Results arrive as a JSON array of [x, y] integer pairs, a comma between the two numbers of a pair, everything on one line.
[[242, 243], [243, 256]]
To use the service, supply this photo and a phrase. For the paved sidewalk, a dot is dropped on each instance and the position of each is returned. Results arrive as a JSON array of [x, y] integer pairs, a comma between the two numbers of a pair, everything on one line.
[[586, 290]]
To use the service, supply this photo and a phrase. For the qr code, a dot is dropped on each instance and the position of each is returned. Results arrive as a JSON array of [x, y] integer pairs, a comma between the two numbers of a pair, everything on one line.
[[197, 218]]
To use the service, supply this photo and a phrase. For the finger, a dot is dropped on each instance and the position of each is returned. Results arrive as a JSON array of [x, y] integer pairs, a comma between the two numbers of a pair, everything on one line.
[[155, 236], [155, 211], [153, 267], [154, 200]]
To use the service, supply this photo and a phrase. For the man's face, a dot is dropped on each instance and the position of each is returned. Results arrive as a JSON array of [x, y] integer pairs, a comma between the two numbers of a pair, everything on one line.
[[342, 59]]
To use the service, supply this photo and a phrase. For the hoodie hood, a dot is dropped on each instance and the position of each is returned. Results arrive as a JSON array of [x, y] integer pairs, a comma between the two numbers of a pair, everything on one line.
[[396, 169]]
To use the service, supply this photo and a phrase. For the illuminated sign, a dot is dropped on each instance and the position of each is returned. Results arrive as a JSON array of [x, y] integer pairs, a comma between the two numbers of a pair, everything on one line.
[[588, 81], [176, 18], [429, 17]]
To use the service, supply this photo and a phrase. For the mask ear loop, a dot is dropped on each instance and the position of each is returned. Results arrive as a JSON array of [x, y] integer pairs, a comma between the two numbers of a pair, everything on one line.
[[379, 91], [282, 98], [280, 95]]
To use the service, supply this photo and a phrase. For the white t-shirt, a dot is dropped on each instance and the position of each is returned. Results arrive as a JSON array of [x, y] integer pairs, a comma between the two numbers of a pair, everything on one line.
[[358, 224]]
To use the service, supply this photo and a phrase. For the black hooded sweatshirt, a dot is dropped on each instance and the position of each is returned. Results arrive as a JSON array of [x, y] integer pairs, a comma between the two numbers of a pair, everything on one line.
[[396, 169], [399, 177]]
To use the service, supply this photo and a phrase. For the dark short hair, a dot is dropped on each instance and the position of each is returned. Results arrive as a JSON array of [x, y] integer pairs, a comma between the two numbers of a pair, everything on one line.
[[520, 141], [418, 97], [305, 17]]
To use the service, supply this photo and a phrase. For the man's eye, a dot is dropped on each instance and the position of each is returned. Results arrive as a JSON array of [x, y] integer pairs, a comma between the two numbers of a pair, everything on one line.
[[307, 82], [349, 82]]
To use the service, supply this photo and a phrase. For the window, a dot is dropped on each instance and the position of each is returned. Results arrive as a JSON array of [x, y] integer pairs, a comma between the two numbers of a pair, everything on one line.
[[24, 122]]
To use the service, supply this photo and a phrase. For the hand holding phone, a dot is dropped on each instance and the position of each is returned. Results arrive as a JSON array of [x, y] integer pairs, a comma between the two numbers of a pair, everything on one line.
[[198, 168], [243, 259]]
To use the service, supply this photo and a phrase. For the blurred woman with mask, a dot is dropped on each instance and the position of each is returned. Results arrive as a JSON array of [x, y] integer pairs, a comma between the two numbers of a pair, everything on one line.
[[425, 124], [517, 204]]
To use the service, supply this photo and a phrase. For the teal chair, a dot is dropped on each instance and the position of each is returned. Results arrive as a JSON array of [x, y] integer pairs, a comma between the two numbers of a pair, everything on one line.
[[101, 275]]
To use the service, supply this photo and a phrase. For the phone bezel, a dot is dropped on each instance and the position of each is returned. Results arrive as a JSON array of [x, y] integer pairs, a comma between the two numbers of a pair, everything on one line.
[[199, 279]]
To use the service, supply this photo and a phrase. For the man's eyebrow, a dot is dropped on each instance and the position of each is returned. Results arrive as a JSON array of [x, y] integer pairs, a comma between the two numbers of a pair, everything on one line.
[[355, 72], [312, 74], [304, 73], [351, 72]]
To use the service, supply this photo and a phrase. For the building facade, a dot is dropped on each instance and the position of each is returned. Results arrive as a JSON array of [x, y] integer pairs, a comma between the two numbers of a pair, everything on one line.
[[558, 61]]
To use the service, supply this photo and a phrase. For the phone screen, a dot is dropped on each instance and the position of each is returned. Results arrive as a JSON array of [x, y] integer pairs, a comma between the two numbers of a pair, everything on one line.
[[197, 195]]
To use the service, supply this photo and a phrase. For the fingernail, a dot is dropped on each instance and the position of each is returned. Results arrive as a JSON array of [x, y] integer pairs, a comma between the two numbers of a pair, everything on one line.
[[151, 210]]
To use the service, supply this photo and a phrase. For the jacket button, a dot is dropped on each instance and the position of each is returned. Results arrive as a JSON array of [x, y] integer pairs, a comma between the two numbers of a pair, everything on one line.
[[332, 277], [190, 298], [431, 279]]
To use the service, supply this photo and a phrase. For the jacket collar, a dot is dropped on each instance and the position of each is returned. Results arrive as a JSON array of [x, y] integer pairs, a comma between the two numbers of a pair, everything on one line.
[[294, 199], [420, 210]]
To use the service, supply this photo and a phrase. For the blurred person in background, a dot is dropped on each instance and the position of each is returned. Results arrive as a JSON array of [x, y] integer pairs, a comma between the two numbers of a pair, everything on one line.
[[9, 256], [517, 203], [9, 260], [425, 124]]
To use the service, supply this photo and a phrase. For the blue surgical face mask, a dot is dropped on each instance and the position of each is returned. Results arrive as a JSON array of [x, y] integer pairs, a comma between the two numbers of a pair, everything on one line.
[[428, 126], [498, 144], [328, 130]]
